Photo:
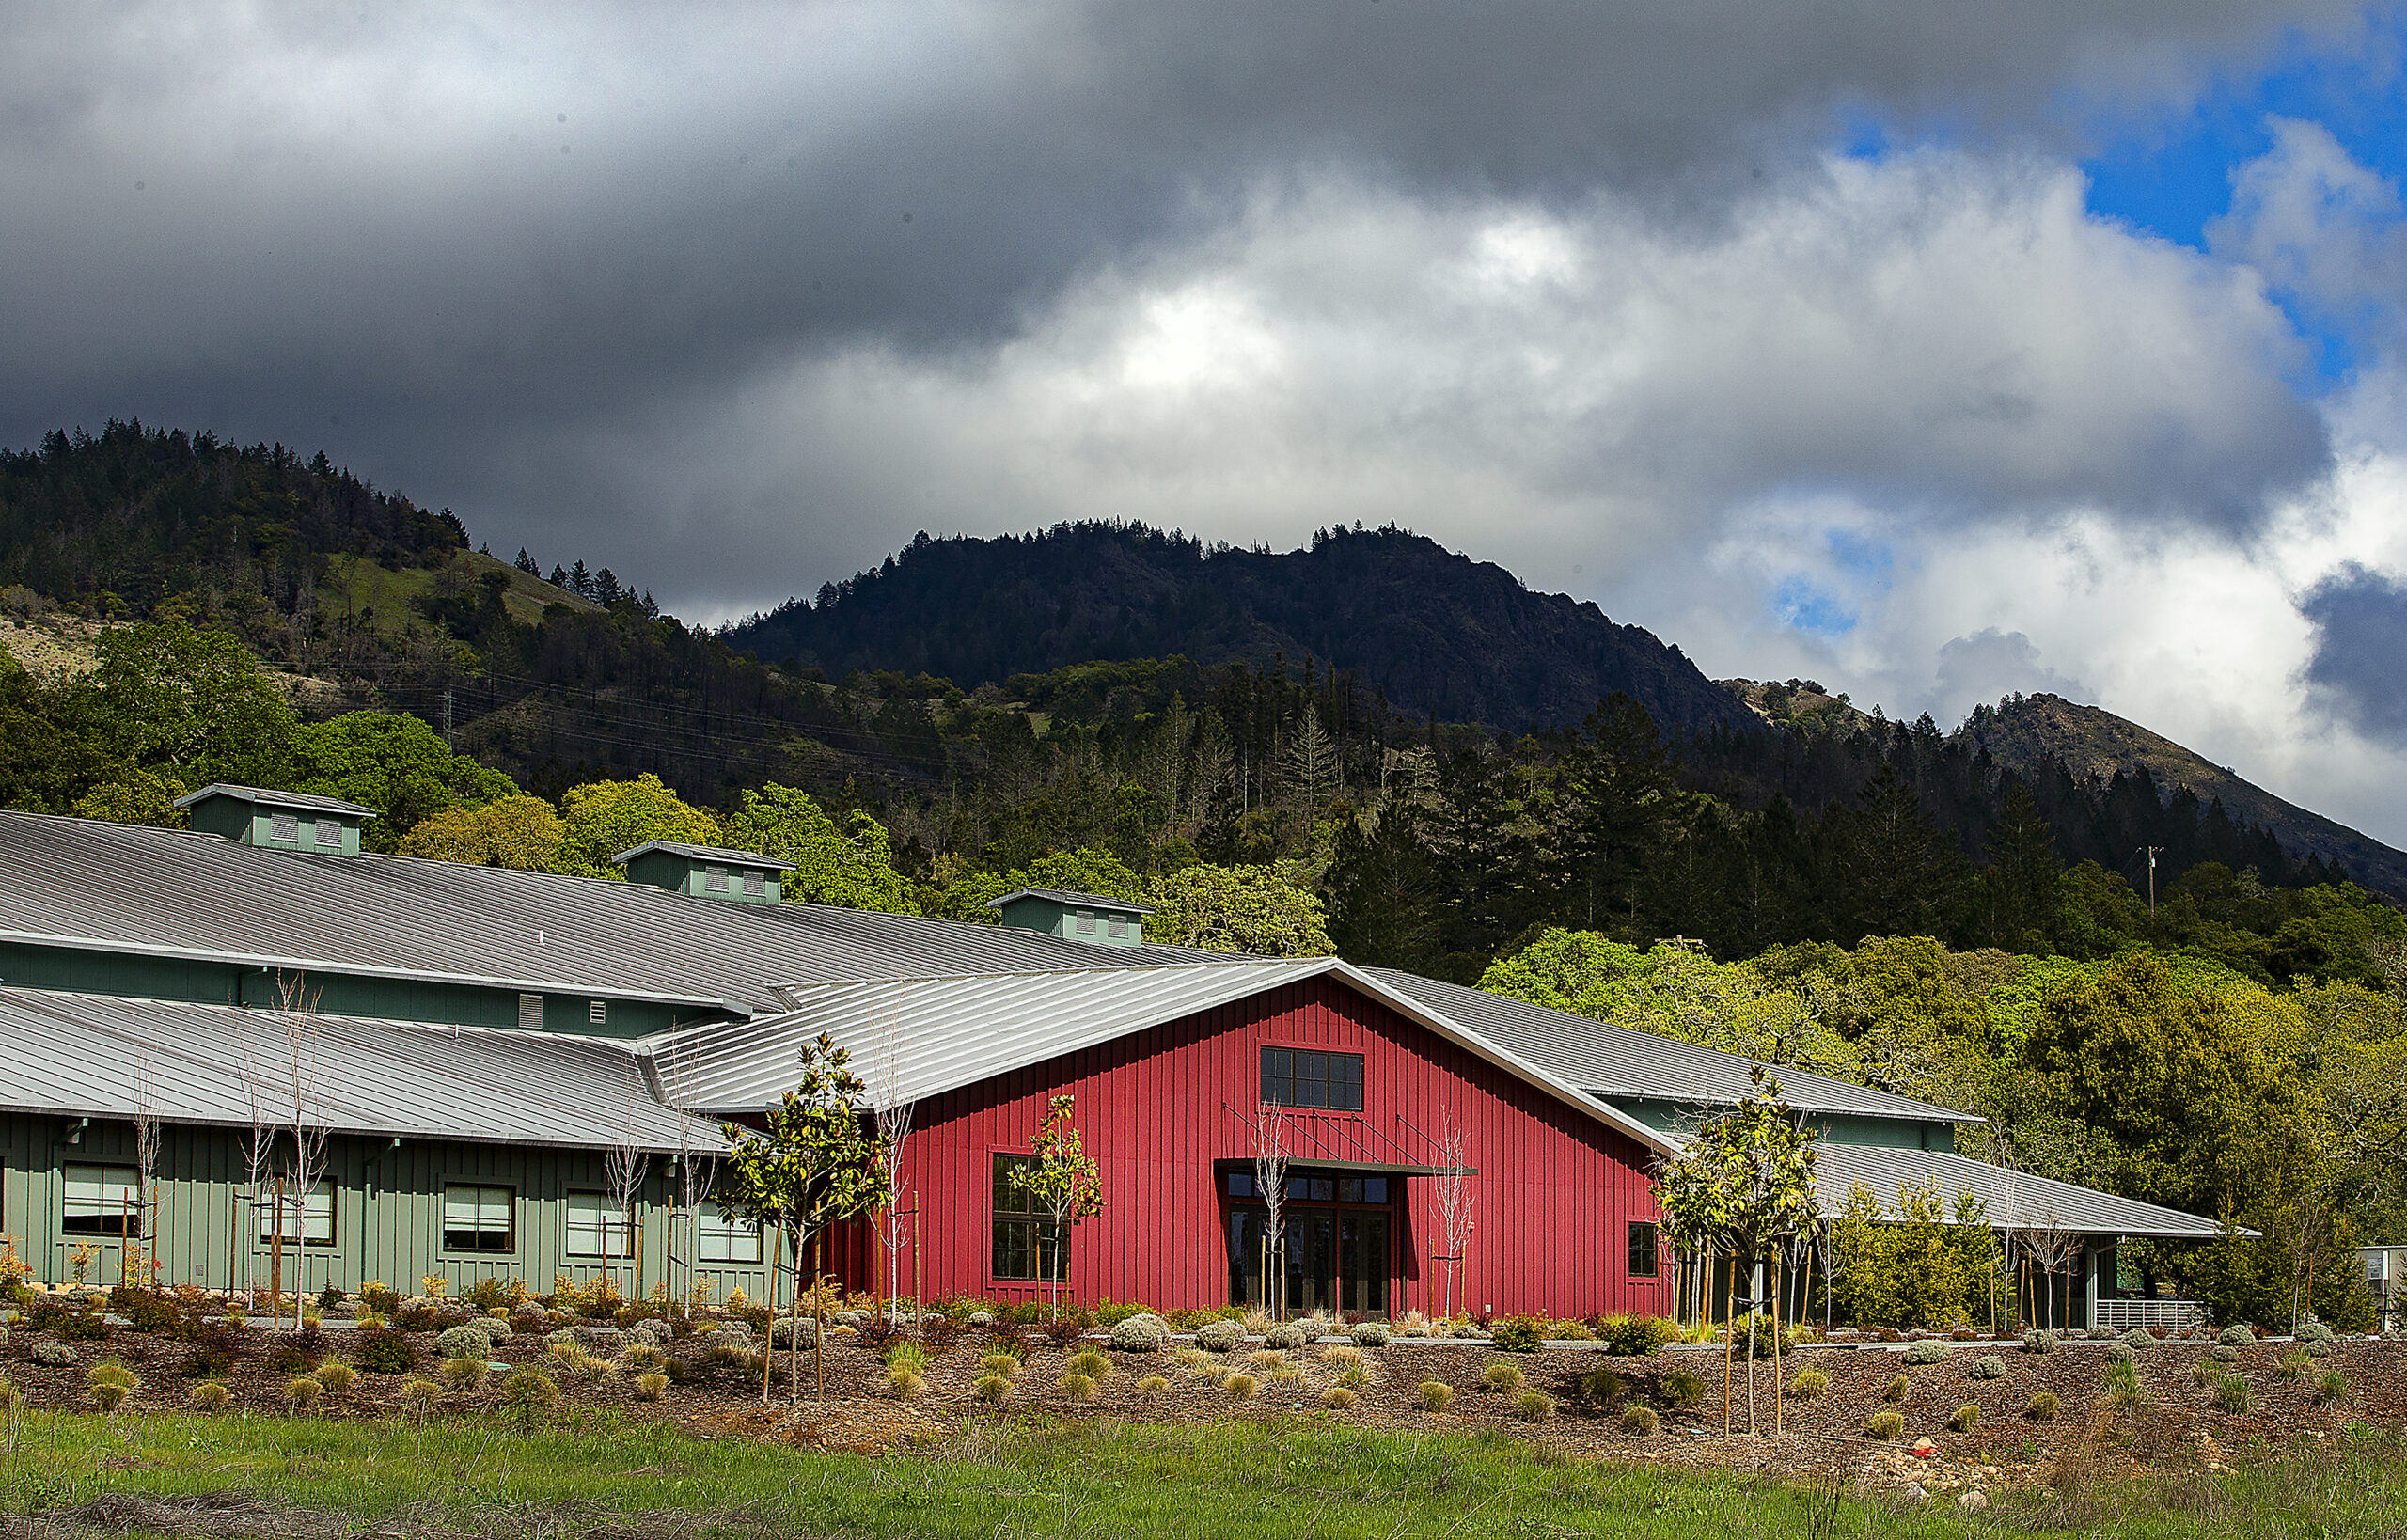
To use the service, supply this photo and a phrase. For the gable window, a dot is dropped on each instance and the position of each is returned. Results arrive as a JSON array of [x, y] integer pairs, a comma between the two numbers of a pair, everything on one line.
[[329, 834], [103, 1200], [1298, 1078], [1086, 922], [754, 885], [479, 1218], [308, 1217], [1642, 1249], [597, 1227], [714, 878], [1118, 929], [1028, 1244], [283, 827], [530, 1012], [719, 1237]]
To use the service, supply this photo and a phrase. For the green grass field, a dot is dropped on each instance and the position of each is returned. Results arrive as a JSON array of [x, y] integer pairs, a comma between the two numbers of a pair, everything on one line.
[[307, 1477]]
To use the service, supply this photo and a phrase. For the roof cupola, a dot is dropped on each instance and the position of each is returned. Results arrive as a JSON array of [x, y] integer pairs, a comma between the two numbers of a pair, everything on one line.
[[732, 876], [250, 815], [1074, 917]]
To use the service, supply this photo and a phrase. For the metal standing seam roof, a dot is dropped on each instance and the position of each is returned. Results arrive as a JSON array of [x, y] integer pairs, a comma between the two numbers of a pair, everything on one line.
[[101, 1055], [299, 801], [1610, 1061], [752, 859], [1075, 899], [2017, 1200], [957, 1031], [172, 892]]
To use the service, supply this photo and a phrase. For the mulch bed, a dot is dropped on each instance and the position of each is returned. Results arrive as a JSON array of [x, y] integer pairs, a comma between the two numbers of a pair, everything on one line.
[[2172, 1419]]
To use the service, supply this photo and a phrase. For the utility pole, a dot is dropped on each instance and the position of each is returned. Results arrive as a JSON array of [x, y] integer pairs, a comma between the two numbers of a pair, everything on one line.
[[2154, 851]]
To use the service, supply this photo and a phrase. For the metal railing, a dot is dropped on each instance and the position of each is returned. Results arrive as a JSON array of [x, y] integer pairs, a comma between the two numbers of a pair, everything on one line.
[[2175, 1314]]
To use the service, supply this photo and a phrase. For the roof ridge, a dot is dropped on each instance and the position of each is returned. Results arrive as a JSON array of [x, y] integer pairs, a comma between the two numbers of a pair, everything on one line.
[[1236, 960]]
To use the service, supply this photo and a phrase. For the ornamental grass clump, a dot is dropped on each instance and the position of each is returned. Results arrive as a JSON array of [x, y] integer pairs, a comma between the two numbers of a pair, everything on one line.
[[1337, 1398], [337, 1376], [644, 1355], [651, 1387], [420, 1396], [1683, 1391], [1602, 1388], [529, 1392], [1502, 1376], [1240, 1387], [1077, 1387], [992, 1388], [464, 1373], [1151, 1385], [999, 1363], [2232, 1396], [1435, 1396], [209, 1395], [1640, 1420], [2333, 1386], [302, 1391], [2041, 1407], [1885, 1424], [1895, 1389], [111, 1385], [1967, 1417], [1809, 1384], [2294, 1365], [1534, 1407]]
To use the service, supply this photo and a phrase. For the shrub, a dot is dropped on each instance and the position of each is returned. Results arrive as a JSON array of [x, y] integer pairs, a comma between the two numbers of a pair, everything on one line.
[[1809, 1383], [84, 1325], [2294, 1364], [1636, 1336], [206, 1362], [1064, 1328], [1337, 1398], [302, 1391], [1145, 1334], [1534, 1407], [53, 1355], [1370, 1334], [2235, 1335], [1287, 1336], [1500, 1375], [419, 1396], [937, 1333], [2224, 1353], [2323, 1349], [464, 1373], [2138, 1339], [1683, 1391], [1967, 1417], [644, 1354], [1885, 1424], [2313, 1330], [1641, 1421], [1521, 1334], [1895, 1389], [1240, 1387], [528, 1391], [1990, 1366], [1090, 1363], [2330, 1387], [2041, 1407], [461, 1342], [384, 1352], [2231, 1396], [1435, 1396], [1219, 1336], [1929, 1350], [1602, 1388], [2119, 1352], [209, 1395], [383, 1301], [337, 1376], [1078, 1387], [992, 1388], [2038, 1341]]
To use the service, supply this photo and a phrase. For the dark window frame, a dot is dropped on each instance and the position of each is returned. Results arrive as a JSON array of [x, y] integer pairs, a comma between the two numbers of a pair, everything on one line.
[[508, 1235], [104, 1223], [1291, 1076], [1645, 1248], [1022, 1234]]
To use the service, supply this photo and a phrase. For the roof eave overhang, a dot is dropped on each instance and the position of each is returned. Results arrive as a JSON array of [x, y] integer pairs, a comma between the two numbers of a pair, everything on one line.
[[606, 1140]]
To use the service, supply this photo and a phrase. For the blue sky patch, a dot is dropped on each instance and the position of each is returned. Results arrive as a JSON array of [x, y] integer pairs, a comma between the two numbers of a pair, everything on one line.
[[1801, 605]]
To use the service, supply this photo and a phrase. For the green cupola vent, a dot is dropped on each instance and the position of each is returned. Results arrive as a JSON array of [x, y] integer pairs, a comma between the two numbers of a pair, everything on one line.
[[252, 815], [732, 876], [1074, 917]]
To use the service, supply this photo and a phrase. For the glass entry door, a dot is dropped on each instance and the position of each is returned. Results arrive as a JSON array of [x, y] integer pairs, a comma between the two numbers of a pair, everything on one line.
[[1337, 1259]]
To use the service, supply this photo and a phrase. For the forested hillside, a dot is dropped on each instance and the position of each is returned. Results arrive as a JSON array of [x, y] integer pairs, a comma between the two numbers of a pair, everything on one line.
[[1439, 633]]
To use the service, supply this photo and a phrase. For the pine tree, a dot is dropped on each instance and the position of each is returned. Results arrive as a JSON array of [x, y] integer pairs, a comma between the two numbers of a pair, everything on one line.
[[2023, 873], [527, 563]]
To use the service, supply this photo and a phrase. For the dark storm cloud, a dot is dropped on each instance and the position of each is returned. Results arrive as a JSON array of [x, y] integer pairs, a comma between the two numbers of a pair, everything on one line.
[[462, 248], [2360, 618]]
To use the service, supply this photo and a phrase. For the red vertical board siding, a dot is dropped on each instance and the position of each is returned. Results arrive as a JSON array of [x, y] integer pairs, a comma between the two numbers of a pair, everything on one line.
[[1554, 1197]]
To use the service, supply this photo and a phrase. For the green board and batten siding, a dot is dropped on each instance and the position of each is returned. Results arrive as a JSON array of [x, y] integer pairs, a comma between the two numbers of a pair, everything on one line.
[[1838, 1128], [92, 970], [203, 1231]]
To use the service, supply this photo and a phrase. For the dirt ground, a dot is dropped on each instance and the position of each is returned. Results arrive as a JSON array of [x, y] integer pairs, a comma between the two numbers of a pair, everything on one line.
[[2174, 1417]]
